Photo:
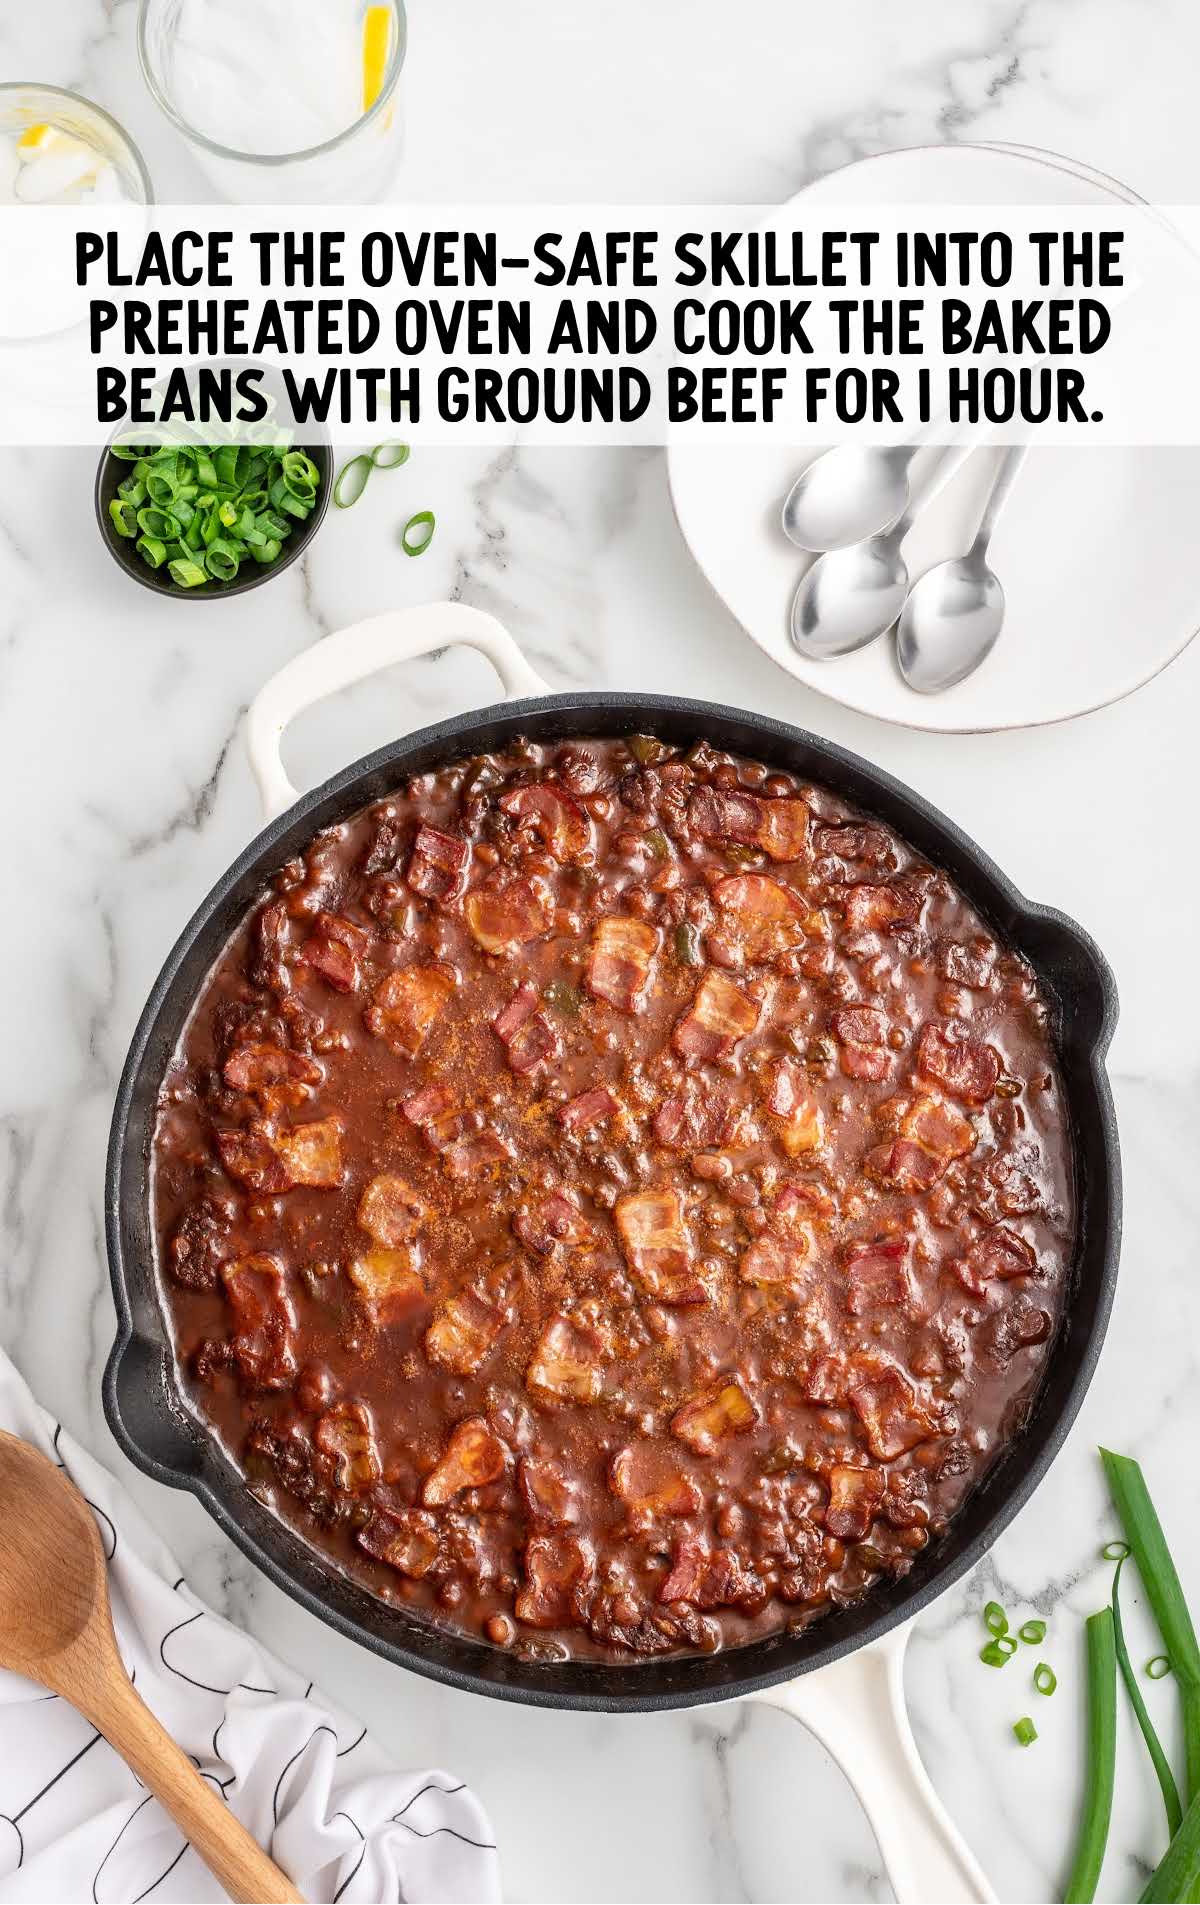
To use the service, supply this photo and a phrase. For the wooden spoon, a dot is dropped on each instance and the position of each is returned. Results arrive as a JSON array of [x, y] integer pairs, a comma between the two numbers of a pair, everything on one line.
[[56, 1628]]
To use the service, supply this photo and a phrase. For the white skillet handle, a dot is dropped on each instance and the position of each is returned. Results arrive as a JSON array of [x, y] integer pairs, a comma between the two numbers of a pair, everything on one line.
[[856, 1709], [363, 649]]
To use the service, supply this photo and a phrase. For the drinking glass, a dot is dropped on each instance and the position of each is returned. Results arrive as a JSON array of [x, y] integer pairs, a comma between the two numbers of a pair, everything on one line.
[[273, 96]]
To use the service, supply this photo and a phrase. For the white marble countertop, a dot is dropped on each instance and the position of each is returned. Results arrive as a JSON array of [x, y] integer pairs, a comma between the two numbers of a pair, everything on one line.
[[127, 794]]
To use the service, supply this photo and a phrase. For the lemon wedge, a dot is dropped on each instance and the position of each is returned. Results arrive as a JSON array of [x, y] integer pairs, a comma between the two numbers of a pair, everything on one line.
[[39, 138], [377, 42]]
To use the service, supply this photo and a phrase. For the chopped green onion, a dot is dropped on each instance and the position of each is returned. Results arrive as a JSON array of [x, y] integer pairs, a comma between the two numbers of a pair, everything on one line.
[[1044, 1678], [1102, 1756], [152, 552], [1131, 1498], [124, 517], [1025, 1731], [189, 575], [995, 1619], [1158, 1759], [221, 560], [994, 1655], [351, 481], [1033, 1633], [1115, 1550], [1158, 1668], [658, 843], [390, 455], [266, 550], [423, 523]]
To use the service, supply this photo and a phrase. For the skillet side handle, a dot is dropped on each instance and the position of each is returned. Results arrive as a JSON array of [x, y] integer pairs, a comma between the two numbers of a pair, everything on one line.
[[856, 1709], [361, 650]]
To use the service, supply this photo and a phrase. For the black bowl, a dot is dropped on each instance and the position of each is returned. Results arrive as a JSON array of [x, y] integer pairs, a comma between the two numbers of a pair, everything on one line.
[[113, 471]]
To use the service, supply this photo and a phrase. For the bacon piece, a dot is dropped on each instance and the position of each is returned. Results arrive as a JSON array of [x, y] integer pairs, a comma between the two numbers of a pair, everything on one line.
[[716, 1020], [1000, 1253], [389, 1282], [895, 1417], [472, 1156], [472, 1458], [566, 1363], [963, 1066], [855, 1497], [463, 1333], [800, 1122], [262, 1342], [774, 1258], [938, 1127], [779, 826], [408, 1005], [407, 1542], [873, 909], [270, 1074], [620, 961], [596, 1106], [704, 1422], [649, 1480], [250, 1157], [1020, 1326], [560, 821], [505, 914], [707, 1578], [558, 1582], [554, 1220], [762, 917], [390, 1211], [903, 1166], [657, 1247], [334, 948], [525, 1032], [856, 842], [438, 862], [699, 1114], [344, 1433], [550, 1495], [878, 1275], [312, 1154], [861, 1031], [437, 1115]]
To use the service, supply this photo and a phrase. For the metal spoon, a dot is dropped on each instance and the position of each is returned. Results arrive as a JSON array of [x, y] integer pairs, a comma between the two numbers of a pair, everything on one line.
[[956, 610], [849, 494], [851, 596]]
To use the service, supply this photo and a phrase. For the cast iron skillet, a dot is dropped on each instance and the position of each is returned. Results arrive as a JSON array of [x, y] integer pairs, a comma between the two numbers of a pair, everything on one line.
[[142, 1391]]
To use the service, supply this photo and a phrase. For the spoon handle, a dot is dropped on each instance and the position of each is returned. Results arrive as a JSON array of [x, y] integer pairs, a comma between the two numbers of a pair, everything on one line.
[[1002, 482], [94, 1680]]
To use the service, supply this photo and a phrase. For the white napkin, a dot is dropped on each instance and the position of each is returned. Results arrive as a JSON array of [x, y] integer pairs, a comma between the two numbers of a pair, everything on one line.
[[301, 1775]]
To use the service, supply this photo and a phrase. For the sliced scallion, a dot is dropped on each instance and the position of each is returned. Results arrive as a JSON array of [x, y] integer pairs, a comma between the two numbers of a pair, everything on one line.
[[417, 533], [995, 1619], [1114, 1550], [124, 517], [189, 575], [1033, 1633], [1044, 1678], [1025, 1731], [390, 455], [1158, 1668], [351, 481]]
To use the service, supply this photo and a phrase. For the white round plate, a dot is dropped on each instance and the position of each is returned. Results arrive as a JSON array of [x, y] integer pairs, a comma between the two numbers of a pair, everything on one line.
[[1092, 546]]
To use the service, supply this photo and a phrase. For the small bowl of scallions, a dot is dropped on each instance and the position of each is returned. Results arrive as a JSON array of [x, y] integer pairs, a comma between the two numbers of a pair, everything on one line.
[[205, 520]]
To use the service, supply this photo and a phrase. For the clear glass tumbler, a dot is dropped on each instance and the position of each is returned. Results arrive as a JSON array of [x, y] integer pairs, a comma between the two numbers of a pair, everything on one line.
[[58, 148], [283, 101]]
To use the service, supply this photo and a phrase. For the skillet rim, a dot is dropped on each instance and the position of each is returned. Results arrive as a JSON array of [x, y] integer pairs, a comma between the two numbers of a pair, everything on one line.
[[442, 1654]]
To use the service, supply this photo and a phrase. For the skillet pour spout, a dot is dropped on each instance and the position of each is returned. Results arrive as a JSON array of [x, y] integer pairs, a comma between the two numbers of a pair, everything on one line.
[[143, 1393]]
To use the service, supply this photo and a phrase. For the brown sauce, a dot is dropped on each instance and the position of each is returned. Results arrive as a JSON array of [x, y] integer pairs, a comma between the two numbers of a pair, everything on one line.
[[617, 1202]]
